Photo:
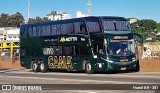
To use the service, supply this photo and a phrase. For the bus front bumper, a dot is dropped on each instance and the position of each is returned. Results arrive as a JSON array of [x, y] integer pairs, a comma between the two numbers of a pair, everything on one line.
[[132, 65], [122, 65]]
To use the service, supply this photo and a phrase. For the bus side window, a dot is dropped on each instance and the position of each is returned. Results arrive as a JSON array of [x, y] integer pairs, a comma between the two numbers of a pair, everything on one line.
[[83, 30], [59, 50], [54, 50], [67, 50], [76, 50]]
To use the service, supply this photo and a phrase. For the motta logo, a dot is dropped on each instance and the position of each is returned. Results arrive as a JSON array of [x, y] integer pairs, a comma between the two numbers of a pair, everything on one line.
[[62, 39], [68, 39]]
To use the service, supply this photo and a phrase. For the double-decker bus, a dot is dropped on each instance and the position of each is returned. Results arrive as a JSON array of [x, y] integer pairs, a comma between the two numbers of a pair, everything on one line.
[[88, 43]]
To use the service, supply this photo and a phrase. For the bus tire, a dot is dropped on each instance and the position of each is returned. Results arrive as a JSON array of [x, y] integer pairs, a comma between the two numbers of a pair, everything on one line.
[[43, 68], [137, 66], [88, 68], [84, 64], [35, 67]]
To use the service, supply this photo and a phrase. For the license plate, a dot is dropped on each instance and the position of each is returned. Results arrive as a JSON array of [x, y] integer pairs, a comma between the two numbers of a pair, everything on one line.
[[123, 68], [124, 60]]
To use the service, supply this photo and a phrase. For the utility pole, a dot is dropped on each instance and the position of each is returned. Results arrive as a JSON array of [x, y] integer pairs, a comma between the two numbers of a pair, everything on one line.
[[89, 7], [29, 15]]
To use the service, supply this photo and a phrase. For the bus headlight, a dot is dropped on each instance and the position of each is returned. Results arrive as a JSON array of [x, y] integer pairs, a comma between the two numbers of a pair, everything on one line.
[[100, 65], [110, 61]]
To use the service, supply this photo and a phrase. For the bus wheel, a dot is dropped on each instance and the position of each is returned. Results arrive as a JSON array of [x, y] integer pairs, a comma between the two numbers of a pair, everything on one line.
[[137, 67], [35, 67], [43, 67], [88, 68]]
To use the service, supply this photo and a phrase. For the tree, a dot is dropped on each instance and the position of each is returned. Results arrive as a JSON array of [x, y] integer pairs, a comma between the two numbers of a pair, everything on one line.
[[37, 20], [144, 27], [148, 24], [158, 27], [45, 19], [4, 20], [15, 20], [31, 21]]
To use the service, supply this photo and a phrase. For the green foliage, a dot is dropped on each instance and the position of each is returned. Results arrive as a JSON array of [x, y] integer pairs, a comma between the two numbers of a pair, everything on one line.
[[37, 20], [148, 24], [11, 20], [158, 27], [141, 31], [15, 20], [144, 27], [4, 20]]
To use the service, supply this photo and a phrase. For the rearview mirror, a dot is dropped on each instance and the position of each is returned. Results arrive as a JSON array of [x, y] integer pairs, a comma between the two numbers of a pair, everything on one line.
[[138, 38]]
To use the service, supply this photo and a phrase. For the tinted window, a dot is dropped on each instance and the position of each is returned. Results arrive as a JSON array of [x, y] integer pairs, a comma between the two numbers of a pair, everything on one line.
[[53, 31], [23, 32], [30, 32], [93, 26], [58, 50], [108, 26], [122, 25], [67, 50], [115, 26], [77, 27]]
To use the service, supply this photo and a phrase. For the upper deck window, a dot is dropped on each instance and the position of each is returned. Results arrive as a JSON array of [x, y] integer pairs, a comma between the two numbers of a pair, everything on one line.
[[115, 25], [23, 32], [93, 26]]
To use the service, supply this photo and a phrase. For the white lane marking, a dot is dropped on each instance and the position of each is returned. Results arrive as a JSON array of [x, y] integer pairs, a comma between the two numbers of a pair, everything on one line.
[[94, 75], [87, 92], [77, 80]]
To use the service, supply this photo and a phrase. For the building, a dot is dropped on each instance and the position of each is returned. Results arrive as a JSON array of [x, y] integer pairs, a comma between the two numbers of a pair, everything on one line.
[[9, 42], [132, 20], [81, 14], [10, 34], [2, 34], [56, 15], [158, 34]]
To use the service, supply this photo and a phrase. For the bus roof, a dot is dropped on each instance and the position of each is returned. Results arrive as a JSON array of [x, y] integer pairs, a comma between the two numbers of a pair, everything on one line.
[[80, 19]]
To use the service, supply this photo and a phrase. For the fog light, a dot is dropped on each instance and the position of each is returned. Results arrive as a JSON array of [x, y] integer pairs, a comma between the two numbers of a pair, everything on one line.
[[100, 65], [133, 59]]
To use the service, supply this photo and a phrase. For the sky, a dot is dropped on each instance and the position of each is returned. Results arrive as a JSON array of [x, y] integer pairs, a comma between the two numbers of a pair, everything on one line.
[[141, 9]]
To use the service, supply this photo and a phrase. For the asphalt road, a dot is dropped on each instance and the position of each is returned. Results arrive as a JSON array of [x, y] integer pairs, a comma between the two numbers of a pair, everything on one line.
[[78, 82]]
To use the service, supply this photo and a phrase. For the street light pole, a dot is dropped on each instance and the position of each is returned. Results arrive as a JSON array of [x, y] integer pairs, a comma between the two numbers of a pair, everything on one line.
[[89, 8]]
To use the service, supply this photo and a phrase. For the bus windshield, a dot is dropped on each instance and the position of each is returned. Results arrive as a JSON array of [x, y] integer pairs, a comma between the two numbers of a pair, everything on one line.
[[115, 25], [121, 47]]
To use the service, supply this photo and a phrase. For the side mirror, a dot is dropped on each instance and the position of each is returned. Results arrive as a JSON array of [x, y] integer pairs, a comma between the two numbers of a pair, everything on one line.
[[138, 38]]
